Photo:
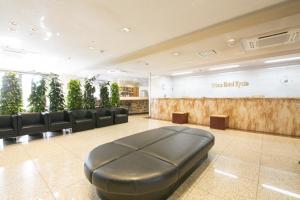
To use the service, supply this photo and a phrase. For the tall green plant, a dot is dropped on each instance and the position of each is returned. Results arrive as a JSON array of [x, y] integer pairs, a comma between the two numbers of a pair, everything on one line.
[[37, 98], [115, 96], [89, 101], [56, 95], [11, 94], [104, 95], [74, 98]]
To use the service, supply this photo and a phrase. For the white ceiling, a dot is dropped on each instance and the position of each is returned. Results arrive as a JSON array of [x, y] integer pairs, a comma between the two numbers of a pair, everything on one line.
[[81, 37], [165, 62]]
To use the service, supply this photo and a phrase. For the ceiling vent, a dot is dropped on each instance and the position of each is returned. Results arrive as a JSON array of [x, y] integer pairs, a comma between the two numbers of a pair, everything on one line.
[[207, 53], [271, 40], [7, 49], [10, 50]]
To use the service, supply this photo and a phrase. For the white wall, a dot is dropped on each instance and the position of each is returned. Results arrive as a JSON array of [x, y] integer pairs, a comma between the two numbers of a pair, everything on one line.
[[268, 82], [161, 87]]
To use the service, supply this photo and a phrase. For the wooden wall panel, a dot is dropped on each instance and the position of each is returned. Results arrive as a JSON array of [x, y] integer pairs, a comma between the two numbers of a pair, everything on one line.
[[271, 115]]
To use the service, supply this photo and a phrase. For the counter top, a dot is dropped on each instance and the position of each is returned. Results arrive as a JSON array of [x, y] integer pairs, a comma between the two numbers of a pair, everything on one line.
[[133, 98], [221, 116], [234, 98]]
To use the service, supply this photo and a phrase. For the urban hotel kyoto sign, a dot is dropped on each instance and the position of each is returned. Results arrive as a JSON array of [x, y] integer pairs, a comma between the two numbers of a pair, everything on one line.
[[227, 84]]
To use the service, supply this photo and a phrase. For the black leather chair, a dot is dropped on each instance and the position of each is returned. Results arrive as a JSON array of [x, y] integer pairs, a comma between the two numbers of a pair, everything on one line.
[[8, 126], [104, 117], [59, 121], [82, 120], [120, 115], [31, 123]]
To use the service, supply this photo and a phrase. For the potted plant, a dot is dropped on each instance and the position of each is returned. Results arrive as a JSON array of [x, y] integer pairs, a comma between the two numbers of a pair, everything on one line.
[[37, 98], [115, 96], [89, 101], [74, 98], [11, 94], [104, 95], [56, 96]]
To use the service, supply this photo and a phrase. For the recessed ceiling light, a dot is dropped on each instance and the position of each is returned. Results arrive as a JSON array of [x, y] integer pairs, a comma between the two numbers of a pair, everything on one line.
[[13, 23], [91, 47], [126, 29], [12, 29], [142, 62], [223, 67], [207, 53], [113, 71], [57, 34], [231, 42], [34, 29], [181, 73], [176, 53], [282, 60], [48, 35]]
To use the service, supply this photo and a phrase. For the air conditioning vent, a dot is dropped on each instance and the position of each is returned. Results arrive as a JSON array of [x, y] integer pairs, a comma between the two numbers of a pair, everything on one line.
[[271, 40], [272, 35]]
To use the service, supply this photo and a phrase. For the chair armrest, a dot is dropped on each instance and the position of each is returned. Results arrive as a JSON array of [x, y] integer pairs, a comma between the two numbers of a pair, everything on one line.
[[117, 110], [67, 116], [45, 118], [14, 119], [113, 112], [123, 111], [71, 117], [19, 120], [108, 113], [90, 114], [94, 113]]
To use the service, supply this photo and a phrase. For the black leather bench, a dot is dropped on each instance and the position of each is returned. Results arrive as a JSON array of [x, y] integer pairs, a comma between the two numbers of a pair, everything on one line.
[[148, 165]]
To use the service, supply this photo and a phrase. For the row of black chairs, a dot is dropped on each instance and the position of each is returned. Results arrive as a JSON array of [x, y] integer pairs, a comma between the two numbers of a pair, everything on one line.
[[77, 120]]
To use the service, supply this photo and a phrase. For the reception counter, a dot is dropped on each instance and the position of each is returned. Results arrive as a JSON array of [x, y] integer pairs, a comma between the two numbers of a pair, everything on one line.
[[270, 115], [135, 105]]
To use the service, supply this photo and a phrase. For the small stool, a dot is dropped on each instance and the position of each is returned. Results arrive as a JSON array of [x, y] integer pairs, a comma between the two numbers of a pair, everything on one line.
[[180, 117], [219, 121]]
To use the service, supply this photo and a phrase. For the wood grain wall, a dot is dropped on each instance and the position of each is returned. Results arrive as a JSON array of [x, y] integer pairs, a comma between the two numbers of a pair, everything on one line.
[[271, 115]]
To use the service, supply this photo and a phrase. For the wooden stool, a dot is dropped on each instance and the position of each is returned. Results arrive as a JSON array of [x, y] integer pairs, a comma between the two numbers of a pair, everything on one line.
[[219, 121], [180, 117]]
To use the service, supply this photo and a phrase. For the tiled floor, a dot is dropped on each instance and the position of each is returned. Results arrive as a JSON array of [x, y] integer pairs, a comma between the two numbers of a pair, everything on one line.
[[241, 165]]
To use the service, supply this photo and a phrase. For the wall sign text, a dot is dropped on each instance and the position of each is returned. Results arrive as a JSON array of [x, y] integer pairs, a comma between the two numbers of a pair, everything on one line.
[[227, 84]]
